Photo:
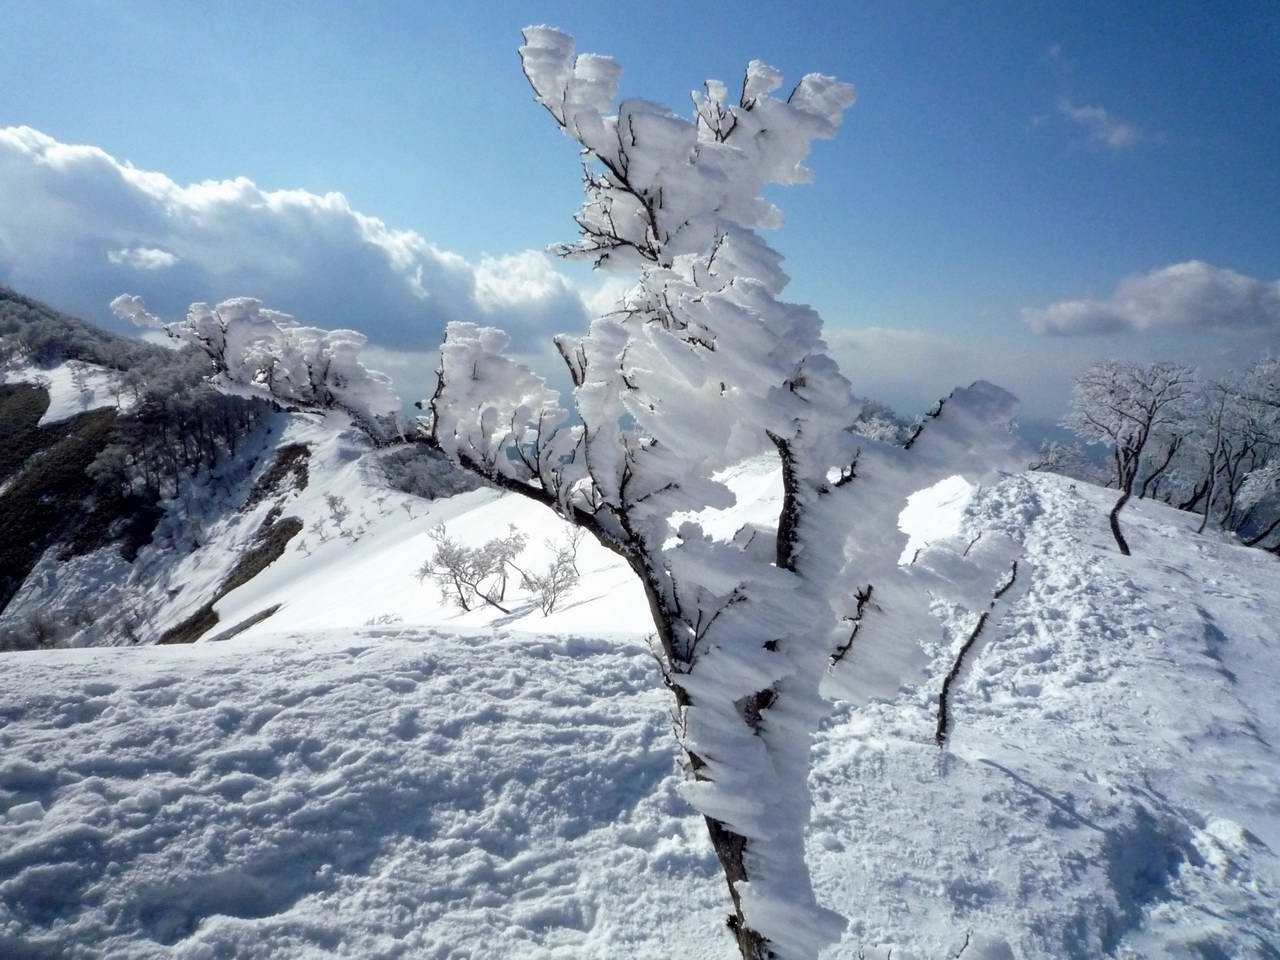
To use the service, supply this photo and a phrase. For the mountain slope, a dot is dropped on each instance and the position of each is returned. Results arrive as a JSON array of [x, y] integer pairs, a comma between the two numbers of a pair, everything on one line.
[[101, 437]]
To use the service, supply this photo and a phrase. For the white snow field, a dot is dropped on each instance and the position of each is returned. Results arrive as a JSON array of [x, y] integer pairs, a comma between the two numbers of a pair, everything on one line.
[[347, 778], [65, 398]]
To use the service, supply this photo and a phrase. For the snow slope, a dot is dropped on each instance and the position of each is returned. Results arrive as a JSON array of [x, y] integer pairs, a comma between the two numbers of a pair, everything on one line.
[[378, 794], [324, 579], [322, 786], [65, 400], [1110, 785]]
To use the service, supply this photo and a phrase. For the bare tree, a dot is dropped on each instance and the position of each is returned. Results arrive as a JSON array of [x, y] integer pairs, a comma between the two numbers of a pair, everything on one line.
[[466, 575], [80, 381], [561, 575], [1236, 438], [338, 509]]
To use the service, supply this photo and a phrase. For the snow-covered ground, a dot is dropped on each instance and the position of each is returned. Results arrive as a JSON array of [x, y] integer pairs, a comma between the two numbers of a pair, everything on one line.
[[346, 778], [378, 793], [66, 398], [335, 582], [1110, 784]]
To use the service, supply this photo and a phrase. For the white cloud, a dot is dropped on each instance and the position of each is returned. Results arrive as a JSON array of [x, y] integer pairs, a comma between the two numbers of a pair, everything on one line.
[[1184, 296], [1102, 126], [609, 292], [413, 372], [142, 258], [78, 227]]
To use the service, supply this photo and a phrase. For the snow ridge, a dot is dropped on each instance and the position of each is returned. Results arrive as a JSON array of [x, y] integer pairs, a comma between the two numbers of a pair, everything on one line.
[[1108, 786]]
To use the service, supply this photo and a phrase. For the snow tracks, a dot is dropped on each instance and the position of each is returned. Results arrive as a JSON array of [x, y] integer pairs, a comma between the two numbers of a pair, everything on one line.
[[1109, 785], [384, 794]]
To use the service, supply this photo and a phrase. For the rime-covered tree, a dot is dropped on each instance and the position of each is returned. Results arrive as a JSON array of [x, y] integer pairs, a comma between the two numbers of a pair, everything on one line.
[[269, 353], [700, 365], [1132, 407], [1234, 431]]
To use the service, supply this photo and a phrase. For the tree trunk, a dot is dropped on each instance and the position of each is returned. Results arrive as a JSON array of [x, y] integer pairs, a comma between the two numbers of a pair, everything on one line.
[[1254, 541], [1208, 504], [1210, 491], [1115, 522], [1199, 491], [731, 849]]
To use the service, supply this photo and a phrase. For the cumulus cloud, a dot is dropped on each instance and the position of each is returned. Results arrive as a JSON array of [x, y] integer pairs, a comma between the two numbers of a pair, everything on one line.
[[608, 293], [78, 226], [1184, 296], [131, 307]]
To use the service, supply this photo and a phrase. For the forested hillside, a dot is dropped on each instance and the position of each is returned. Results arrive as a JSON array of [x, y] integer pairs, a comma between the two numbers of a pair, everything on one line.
[[96, 430]]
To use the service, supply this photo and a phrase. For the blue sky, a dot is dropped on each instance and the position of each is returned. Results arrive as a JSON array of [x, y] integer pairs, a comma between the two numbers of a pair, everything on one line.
[[1001, 156]]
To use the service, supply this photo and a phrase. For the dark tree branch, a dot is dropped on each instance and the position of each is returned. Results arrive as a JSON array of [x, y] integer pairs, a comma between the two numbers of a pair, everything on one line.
[[944, 698]]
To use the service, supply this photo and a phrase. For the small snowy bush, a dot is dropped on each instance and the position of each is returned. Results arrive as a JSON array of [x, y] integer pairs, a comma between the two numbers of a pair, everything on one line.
[[553, 584], [421, 471]]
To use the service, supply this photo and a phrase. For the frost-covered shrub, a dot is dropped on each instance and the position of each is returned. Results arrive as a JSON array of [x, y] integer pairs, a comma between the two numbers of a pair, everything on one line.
[[1133, 409], [1069, 460], [1236, 433], [423, 472], [38, 630], [42, 629], [470, 575], [338, 509], [1200, 445], [551, 585]]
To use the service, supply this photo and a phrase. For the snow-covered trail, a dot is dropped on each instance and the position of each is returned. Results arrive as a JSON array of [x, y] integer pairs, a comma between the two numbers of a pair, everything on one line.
[[1110, 787]]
